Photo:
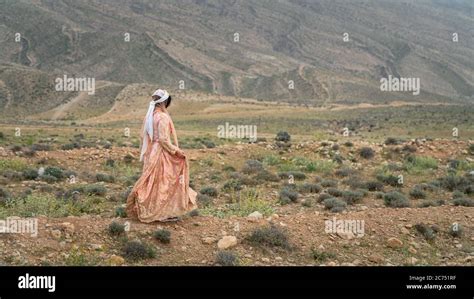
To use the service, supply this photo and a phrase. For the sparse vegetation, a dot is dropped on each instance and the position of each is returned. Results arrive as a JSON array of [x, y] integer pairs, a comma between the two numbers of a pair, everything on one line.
[[227, 258], [271, 236], [162, 235], [136, 250], [395, 199]]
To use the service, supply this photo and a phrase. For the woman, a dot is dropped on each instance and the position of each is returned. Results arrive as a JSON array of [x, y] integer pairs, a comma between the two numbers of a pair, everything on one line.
[[162, 192]]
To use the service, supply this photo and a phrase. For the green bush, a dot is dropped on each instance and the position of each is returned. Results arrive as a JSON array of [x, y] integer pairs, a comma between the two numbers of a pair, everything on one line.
[[271, 236], [204, 200], [95, 189], [309, 188], [396, 199], [283, 136], [30, 174], [136, 250], [427, 232], [232, 185], [54, 171], [287, 195], [48, 178], [210, 191], [366, 153], [431, 203], [374, 186], [419, 164], [103, 177], [417, 193], [334, 204], [120, 212], [335, 192], [252, 167], [116, 229], [227, 258], [351, 197], [465, 202], [162, 235], [328, 183]]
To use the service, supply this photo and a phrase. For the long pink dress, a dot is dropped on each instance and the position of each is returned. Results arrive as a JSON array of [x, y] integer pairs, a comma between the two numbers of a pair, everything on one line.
[[163, 189]]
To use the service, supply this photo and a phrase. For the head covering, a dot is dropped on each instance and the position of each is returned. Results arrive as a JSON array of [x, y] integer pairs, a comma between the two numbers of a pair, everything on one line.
[[148, 127]]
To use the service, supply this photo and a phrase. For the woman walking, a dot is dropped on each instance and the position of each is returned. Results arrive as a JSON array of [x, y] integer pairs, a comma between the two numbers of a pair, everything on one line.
[[162, 192]]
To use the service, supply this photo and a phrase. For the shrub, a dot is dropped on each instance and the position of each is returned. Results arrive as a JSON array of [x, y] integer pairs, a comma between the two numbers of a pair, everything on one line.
[[128, 159], [136, 250], [204, 200], [409, 148], [334, 204], [54, 171], [395, 199], [30, 174], [323, 196], [418, 164], [335, 192], [374, 186], [48, 178], [283, 136], [103, 177], [393, 141], [266, 176], [471, 148], [288, 195], [456, 230], [328, 183], [348, 144], [417, 193], [465, 202], [40, 147], [351, 197], [344, 172], [309, 188], [453, 182], [227, 258], [116, 229], [366, 153], [427, 232], [4, 196], [297, 175], [321, 256], [110, 163], [269, 236], [232, 185], [121, 212], [210, 191], [95, 189], [252, 166], [71, 146], [431, 203], [389, 179], [162, 235]]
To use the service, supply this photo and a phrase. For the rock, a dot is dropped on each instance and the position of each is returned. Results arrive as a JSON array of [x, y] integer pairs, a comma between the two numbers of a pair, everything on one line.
[[255, 216], [279, 259], [376, 258], [67, 228], [412, 260], [208, 240], [265, 259], [115, 260], [56, 234], [346, 236], [332, 264], [227, 242], [394, 243], [404, 231], [412, 250]]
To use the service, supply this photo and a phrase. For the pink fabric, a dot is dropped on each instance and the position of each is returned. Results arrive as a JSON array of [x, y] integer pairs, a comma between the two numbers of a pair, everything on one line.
[[163, 190]]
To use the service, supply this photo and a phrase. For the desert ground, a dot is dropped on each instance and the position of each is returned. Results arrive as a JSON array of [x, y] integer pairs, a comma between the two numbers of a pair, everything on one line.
[[404, 170]]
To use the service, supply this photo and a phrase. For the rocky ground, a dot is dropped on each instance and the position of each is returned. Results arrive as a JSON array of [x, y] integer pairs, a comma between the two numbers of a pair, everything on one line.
[[391, 236]]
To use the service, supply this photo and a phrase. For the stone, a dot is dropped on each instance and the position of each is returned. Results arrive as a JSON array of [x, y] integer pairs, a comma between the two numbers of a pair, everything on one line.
[[394, 243], [56, 234], [255, 216], [412, 250], [227, 242], [376, 258], [208, 240], [404, 231]]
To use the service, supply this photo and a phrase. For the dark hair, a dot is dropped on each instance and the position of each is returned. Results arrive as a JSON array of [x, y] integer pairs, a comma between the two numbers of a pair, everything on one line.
[[168, 101]]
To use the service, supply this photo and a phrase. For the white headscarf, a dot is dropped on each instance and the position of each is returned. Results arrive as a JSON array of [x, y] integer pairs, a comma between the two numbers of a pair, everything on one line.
[[148, 128]]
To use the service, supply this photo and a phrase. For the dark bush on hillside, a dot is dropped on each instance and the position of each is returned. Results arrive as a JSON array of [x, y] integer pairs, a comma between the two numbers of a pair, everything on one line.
[[136, 250], [210, 191], [374, 186], [54, 171], [366, 153], [162, 235], [30, 174], [335, 192], [417, 193], [204, 200], [427, 232], [465, 202], [334, 204], [116, 229], [309, 188], [396, 199], [288, 195], [252, 166], [271, 236], [227, 258], [283, 136], [351, 197]]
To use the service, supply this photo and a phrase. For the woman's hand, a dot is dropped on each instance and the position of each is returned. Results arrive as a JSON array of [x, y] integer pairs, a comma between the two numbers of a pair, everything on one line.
[[180, 154]]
